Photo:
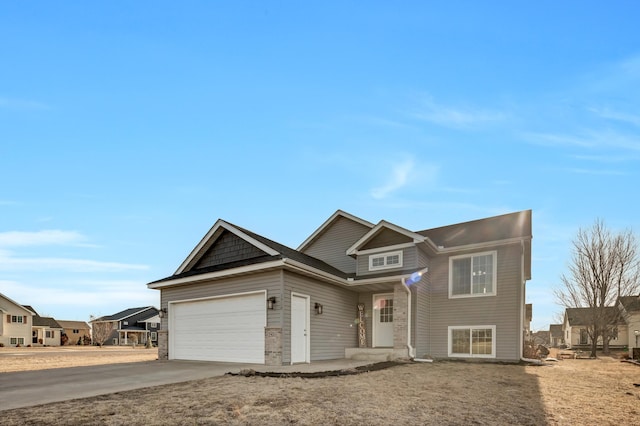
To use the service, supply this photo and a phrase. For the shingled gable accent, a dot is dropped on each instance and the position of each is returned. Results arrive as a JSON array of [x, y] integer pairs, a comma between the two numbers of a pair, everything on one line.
[[214, 233], [382, 226], [327, 224]]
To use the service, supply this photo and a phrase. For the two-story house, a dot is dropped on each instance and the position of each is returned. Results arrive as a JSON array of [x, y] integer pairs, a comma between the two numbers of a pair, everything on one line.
[[351, 289], [131, 326], [16, 323]]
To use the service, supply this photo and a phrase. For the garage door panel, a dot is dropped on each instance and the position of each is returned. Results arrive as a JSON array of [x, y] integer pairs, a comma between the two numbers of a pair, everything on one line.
[[227, 329]]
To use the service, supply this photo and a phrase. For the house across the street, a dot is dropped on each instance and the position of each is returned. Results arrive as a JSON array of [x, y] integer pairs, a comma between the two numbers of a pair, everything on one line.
[[352, 289]]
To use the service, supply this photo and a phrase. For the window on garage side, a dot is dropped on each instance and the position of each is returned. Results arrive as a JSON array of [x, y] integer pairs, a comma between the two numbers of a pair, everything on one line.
[[472, 341]]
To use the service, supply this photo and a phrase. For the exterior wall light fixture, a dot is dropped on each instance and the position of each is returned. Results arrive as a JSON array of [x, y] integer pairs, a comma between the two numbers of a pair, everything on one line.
[[270, 302], [318, 308]]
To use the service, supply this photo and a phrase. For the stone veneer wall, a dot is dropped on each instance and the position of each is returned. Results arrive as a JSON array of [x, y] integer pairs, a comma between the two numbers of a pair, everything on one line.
[[273, 345], [400, 317], [163, 345]]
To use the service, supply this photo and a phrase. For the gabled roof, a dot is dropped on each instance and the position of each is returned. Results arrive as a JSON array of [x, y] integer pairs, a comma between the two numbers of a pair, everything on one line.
[[496, 228], [582, 316], [79, 325], [17, 304], [327, 224], [417, 238], [630, 303], [556, 330], [211, 236], [122, 315], [39, 321], [280, 252]]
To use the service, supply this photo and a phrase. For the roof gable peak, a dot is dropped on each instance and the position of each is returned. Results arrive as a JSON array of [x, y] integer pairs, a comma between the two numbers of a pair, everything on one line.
[[214, 233], [327, 223]]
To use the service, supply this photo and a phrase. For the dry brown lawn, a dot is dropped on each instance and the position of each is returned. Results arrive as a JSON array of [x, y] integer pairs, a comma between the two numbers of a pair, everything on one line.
[[569, 392]]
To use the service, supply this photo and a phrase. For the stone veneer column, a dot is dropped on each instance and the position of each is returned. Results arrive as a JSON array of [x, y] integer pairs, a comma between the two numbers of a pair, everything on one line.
[[273, 345], [163, 344], [400, 317]]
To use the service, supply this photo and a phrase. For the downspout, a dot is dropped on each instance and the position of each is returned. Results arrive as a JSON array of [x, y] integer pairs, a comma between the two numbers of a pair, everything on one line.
[[412, 350]]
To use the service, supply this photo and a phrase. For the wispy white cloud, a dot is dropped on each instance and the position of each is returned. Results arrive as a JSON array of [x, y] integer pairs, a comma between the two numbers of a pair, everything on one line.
[[610, 114], [459, 117], [596, 172], [9, 262], [22, 104], [101, 297], [608, 138], [399, 177], [40, 238]]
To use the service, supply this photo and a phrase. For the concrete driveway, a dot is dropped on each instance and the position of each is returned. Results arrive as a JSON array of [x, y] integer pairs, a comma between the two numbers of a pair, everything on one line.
[[28, 388]]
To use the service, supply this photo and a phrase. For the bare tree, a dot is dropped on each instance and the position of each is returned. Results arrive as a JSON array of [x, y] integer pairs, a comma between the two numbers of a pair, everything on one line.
[[100, 330], [604, 266]]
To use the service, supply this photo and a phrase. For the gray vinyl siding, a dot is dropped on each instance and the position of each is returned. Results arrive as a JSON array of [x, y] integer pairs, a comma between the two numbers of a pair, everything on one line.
[[409, 261], [332, 245], [501, 310], [421, 312], [269, 281], [331, 332], [384, 238]]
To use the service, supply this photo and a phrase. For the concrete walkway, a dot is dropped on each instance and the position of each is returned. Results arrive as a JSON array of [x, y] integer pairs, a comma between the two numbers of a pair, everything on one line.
[[29, 388]]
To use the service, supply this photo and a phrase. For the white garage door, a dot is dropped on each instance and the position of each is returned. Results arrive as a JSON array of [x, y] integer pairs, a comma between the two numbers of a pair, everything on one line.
[[227, 329]]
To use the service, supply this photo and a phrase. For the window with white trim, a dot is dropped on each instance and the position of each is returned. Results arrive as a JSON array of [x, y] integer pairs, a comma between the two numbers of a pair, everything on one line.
[[385, 260], [20, 319], [473, 275], [472, 341], [154, 336], [17, 341]]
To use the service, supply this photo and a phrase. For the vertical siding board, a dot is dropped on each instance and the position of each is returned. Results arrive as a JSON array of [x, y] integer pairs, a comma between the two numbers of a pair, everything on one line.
[[332, 245], [334, 330]]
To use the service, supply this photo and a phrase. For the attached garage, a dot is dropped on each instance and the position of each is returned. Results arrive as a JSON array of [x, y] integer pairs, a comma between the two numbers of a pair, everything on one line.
[[224, 329]]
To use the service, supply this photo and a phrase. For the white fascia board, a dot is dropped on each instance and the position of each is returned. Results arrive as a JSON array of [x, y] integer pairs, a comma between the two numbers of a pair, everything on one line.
[[417, 238], [221, 224], [16, 303], [395, 247], [479, 246], [218, 274], [328, 222]]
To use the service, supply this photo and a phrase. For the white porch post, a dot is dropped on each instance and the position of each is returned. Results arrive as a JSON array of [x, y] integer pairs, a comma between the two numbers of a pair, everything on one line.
[[126, 336]]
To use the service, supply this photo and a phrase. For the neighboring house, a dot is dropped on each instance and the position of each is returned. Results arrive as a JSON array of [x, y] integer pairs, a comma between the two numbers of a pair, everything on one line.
[[75, 332], [528, 316], [556, 335], [578, 320], [15, 326], [133, 325], [351, 289], [630, 308], [45, 331]]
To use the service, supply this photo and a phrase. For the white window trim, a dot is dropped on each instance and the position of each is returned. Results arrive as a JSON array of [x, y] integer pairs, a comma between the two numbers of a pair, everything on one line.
[[471, 327], [494, 283], [385, 255]]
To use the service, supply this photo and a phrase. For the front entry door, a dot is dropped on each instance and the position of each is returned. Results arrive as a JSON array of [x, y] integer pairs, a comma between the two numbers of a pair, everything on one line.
[[299, 328], [383, 320]]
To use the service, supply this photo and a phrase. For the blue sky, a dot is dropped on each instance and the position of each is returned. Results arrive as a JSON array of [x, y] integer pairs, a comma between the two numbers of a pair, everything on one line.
[[128, 128]]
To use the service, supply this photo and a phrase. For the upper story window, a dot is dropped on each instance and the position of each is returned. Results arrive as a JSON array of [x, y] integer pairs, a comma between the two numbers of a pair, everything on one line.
[[385, 260], [20, 319], [473, 275]]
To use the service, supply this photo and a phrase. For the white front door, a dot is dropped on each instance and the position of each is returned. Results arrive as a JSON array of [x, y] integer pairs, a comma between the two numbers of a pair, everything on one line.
[[383, 320], [299, 328]]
